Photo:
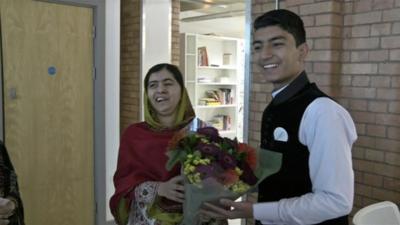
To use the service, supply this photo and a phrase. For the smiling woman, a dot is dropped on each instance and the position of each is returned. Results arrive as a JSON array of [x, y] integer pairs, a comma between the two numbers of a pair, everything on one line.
[[163, 89], [141, 181]]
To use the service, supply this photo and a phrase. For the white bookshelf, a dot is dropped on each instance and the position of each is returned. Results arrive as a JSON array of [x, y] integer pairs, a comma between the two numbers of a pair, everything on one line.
[[222, 75]]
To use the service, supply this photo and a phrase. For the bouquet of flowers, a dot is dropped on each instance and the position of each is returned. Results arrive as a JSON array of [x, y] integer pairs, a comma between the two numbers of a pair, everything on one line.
[[217, 167]]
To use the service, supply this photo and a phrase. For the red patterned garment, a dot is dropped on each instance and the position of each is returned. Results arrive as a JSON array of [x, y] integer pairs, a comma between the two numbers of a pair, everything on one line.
[[141, 160]]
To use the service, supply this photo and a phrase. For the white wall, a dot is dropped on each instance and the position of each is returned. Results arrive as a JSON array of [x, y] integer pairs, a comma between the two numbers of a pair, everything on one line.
[[112, 77], [156, 36], [156, 32]]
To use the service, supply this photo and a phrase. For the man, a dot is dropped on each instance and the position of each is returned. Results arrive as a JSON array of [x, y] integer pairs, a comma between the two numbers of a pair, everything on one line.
[[315, 184]]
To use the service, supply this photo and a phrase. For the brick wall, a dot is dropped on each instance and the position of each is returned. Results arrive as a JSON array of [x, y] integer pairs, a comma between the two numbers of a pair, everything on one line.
[[130, 62], [371, 63], [354, 57], [175, 46]]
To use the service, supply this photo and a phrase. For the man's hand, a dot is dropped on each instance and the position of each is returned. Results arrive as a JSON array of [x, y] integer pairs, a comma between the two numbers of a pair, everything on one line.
[[229, 210], [172, 189]]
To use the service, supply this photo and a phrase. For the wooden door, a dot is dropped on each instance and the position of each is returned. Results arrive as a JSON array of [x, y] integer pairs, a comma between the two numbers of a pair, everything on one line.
[[48, 106]]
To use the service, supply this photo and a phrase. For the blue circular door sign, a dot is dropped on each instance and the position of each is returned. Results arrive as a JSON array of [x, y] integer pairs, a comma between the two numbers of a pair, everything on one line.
[[52, 70]]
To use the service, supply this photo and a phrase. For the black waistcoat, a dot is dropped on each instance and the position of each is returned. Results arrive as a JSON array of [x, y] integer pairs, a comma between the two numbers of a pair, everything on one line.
[[286, 111]]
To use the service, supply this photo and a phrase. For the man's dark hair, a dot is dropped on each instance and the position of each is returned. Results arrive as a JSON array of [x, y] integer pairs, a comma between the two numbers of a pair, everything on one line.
[[286, 20], [176, 73]]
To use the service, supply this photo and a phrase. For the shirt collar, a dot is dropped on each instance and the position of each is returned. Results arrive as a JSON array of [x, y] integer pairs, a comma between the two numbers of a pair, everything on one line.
[[288, 91], [274, 93]]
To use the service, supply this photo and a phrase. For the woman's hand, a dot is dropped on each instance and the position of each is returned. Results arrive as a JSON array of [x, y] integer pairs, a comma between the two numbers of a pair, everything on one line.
[[172, 189], [7, 208]]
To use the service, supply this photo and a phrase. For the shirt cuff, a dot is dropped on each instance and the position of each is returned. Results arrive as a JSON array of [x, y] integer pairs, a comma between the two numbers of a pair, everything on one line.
[[267, 212]]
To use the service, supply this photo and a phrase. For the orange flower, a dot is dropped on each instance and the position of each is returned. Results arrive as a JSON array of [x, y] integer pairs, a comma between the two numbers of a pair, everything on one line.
[[251, 157], [229, 177], [179, 135]]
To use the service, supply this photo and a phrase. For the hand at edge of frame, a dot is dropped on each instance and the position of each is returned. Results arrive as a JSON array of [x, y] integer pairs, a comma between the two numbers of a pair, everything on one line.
[[7, 207], [229, 210]]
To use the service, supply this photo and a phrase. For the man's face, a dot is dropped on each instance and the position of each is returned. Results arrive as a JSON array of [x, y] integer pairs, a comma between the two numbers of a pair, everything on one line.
[[164, 92], [276, 53]]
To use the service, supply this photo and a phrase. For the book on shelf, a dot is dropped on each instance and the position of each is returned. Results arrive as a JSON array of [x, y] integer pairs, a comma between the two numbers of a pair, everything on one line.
[[221, 122], [222, 95], [209, 101], [227, 59], [213, 103], [214, 94], [202, 56], [226, 97], [204, 80]]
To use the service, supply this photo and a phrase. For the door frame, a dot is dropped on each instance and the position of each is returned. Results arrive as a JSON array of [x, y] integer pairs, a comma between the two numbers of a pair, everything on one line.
[[106, 16], [2, 127]]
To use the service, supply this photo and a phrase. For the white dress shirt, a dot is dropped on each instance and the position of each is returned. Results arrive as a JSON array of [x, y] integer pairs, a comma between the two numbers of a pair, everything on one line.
[[328, 131]]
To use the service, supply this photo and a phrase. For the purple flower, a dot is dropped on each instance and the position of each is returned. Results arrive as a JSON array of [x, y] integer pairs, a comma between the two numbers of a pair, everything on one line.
[[208, 149], [248, 176], [207, 171], [227, 161], [209, 132]]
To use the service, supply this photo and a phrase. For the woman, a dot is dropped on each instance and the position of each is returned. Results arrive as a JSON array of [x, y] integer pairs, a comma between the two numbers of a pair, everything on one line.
[[146, 193], [11, 210]]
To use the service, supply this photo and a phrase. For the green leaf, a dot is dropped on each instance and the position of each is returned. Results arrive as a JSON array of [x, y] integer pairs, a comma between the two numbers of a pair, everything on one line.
[[241, 156], [192, 140], [224, 146], [174, 157]]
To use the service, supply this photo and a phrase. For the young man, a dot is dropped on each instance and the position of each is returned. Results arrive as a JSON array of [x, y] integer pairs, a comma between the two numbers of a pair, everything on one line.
[[315, 184]]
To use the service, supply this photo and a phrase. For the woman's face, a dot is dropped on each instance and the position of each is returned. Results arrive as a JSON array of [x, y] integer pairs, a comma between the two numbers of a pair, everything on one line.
[[164, 92]]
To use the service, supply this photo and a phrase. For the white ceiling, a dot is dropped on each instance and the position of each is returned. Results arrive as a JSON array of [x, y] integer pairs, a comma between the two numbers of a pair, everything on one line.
[[210, 5], [223, 17]]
